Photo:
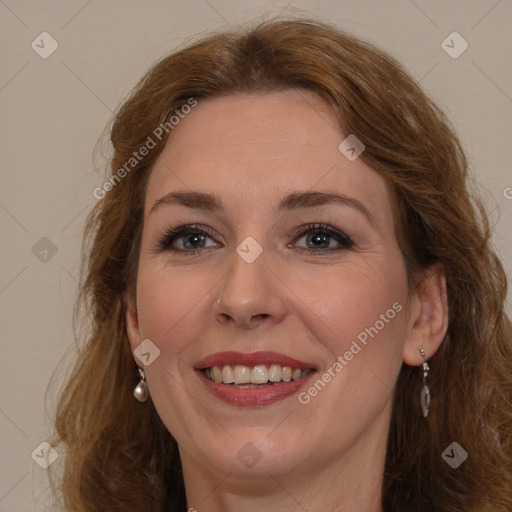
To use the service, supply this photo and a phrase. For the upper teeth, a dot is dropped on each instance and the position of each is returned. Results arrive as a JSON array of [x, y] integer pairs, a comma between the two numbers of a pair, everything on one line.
[[259, 374]]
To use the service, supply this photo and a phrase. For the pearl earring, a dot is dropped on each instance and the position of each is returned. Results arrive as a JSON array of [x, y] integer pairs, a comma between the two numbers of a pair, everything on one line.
[[141, 390], [425, 391]]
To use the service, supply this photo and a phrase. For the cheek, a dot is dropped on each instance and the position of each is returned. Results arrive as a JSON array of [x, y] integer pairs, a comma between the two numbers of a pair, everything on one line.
[[173, 308], [169, 303], [358, 320], [362, 302]]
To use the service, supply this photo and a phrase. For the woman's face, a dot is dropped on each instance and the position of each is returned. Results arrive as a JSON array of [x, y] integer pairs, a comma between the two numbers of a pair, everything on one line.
[[268, 255]]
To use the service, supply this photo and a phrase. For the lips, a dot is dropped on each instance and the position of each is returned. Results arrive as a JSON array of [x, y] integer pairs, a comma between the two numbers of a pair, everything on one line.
[[250, 359], [258, 378]]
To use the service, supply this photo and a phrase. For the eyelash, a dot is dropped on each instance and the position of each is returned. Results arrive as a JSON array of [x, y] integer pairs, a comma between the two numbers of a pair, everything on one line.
[[165, 242], [345, 241]]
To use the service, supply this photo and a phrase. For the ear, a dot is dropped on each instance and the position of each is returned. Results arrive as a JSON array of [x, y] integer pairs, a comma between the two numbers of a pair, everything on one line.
[[428, 320], [131, 320]]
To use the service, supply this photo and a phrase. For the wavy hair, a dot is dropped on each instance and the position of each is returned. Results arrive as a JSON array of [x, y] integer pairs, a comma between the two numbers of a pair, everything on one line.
[[110, 465]]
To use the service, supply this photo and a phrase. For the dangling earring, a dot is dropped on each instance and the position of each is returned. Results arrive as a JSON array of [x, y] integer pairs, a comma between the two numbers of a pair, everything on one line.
[[141, 390], [425, 391]]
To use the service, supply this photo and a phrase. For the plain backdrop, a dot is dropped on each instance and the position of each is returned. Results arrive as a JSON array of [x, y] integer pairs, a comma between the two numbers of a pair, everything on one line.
[[53, 111]]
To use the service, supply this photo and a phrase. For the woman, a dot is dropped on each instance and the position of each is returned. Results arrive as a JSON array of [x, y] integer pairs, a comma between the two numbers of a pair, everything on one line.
[[294, 301]]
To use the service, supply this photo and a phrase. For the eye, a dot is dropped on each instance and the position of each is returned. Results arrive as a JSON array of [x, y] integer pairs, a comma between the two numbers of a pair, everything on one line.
[[318, 238], [312, 238], [190, 238]]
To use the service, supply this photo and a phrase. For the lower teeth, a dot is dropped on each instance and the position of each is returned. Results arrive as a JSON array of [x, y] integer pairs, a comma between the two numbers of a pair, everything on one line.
[[248, 386]]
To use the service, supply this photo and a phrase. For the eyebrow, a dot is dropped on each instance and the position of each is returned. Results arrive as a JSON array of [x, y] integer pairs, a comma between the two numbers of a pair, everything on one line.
[[312, 199], [197, 200], [295, 200]]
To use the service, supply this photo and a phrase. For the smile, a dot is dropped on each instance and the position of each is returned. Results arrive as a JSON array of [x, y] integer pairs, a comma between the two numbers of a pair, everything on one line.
[[259, 375], [254, 379]]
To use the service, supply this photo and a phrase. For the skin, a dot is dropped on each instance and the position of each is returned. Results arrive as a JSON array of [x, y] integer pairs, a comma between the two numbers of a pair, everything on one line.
[[251, 150]]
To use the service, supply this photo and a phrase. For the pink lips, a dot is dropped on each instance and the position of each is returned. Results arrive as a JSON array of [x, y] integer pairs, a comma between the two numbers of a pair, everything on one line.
[[251, 397], [252, 359]]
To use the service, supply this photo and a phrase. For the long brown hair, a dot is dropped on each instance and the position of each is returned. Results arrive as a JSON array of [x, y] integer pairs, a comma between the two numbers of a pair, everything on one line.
[[119, 455]]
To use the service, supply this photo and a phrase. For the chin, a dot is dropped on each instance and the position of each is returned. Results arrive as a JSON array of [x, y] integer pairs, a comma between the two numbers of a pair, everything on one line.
[[254, 454]]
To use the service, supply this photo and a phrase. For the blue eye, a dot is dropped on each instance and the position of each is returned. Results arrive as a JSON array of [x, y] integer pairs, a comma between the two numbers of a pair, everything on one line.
[[191, 239], [186, 239], [323, 238]]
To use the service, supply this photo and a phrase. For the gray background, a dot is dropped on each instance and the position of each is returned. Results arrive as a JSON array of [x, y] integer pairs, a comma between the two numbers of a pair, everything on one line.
[[54, 110]]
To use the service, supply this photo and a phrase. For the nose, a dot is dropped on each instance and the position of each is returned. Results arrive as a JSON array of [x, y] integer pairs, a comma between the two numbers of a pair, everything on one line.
[[251, 295]]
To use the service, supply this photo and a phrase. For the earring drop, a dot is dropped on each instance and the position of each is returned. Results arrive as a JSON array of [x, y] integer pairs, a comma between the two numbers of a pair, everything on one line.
[[425, 391], [141, 390]]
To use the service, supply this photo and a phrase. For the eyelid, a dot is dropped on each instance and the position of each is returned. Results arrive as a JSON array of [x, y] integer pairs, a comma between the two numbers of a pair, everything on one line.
[[165, 240], [318, 226], [339, 235]]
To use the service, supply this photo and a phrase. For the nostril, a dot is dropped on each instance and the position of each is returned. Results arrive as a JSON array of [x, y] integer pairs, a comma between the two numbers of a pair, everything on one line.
[[261, 316], [244, 321]]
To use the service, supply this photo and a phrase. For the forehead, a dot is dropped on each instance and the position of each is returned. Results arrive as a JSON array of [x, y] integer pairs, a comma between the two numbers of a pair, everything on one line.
[[259, 147]]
